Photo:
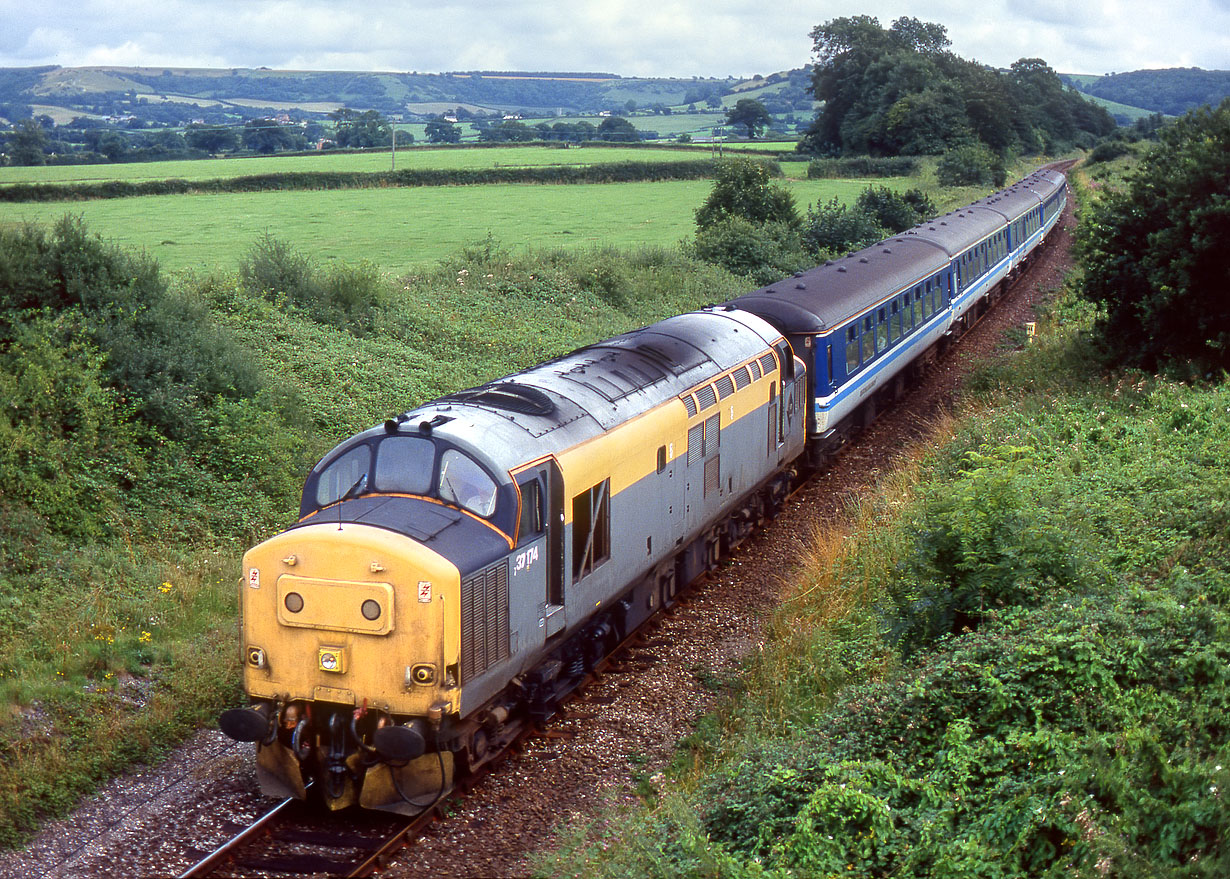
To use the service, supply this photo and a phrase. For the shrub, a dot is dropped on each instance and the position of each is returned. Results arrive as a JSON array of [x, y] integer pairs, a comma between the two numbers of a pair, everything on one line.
[[741, 188], [833, 228], [972, 164], [763, 252], [1108, 151], [1155, 251]]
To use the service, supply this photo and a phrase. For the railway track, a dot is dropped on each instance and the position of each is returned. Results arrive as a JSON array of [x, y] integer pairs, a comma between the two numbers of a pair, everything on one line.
[[299, 838]]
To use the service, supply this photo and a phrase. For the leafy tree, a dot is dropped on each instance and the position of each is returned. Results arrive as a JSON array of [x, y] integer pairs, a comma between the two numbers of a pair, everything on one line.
[[28, 144], [440, 131], [1155, 251], [510, 130], [618, 129], [751, 114], [357, 130], [901, 92], [211, 138], [266, 136], [741, 188]]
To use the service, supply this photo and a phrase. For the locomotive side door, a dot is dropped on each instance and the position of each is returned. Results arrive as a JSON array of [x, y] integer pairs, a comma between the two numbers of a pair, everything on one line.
[[542, 523]]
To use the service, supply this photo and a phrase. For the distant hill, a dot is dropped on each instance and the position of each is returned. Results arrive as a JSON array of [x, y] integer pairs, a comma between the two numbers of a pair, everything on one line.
[[171, 96], [1172, 91]]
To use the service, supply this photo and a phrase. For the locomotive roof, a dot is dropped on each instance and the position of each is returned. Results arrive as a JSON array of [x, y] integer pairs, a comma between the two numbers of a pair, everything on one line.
[[593, 389]]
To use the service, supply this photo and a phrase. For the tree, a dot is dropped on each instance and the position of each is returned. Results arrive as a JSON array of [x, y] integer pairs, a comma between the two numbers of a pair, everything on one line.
[[751, 114], [741, 188], [355, 130], [440, 131], [1155, 250], [28, 143], [211, 138], [618, 129], [266, 136]]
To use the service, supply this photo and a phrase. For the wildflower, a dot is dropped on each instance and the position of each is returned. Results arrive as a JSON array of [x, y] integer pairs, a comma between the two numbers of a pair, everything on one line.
[[165, 588], [145, 637]]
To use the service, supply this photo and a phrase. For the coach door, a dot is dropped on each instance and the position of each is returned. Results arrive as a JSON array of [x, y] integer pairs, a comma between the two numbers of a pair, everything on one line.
[[542, 526]]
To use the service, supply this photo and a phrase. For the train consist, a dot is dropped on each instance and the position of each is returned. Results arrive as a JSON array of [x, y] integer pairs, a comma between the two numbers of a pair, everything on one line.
[[456, 571]]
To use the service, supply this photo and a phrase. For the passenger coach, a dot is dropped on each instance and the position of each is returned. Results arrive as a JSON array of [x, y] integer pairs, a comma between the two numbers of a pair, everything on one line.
[[862, 322]]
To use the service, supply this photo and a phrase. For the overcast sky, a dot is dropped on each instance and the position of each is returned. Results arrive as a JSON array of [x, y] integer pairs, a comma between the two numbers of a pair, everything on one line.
[[628, 37]]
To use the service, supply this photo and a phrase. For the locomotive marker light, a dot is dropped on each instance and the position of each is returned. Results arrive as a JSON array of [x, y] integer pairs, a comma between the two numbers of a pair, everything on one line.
[[331, 659]]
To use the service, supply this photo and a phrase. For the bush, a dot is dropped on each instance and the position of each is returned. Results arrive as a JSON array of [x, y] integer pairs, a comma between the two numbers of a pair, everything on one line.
[[1108, 151], [1155, 251], [763, 252], [161, 349], [741, 188], [971, 165], [834, 228], [984, 545]]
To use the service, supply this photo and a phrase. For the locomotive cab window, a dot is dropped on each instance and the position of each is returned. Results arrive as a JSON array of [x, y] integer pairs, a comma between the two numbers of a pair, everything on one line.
[[466, 484], [404, 464], [342, 474], [531, 523]]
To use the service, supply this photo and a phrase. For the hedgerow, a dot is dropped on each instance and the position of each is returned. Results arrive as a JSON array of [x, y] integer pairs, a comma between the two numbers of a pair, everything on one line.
[[611, 172]]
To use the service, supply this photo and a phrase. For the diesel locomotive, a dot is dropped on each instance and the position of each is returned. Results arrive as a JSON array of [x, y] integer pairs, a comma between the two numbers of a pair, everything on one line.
[[457, 570]]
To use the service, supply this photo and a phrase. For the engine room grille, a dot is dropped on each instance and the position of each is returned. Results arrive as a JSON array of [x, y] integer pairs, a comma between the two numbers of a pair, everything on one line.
[[484, 620]]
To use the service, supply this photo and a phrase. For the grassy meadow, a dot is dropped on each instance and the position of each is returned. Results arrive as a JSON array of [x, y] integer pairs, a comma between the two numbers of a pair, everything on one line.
[[406, 228]]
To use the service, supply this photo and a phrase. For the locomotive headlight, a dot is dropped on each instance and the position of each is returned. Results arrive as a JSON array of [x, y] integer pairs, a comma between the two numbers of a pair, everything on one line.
[[423, 674], [370, 609], [331, 659], [256, 658]]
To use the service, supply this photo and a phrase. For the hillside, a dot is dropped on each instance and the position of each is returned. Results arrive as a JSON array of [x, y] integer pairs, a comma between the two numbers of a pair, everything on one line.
[[177, 96], [1171, 91]]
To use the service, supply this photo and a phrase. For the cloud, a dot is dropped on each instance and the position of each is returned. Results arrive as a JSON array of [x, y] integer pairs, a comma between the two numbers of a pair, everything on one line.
[[628, 37]]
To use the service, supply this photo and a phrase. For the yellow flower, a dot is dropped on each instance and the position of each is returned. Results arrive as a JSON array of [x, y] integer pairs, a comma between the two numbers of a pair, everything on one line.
[[145, 637], [165, 588]]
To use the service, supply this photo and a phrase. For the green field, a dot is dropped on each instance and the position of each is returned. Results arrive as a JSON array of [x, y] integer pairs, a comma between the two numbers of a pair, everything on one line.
[[403, 228], [413, 157]]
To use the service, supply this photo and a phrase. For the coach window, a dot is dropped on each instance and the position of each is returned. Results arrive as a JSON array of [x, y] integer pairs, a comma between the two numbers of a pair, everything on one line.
[[591, 529], [881, 330], [869, 338], [894, 322], [852, 358]]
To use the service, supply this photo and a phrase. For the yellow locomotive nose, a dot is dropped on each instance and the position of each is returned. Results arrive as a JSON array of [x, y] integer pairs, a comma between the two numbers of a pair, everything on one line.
[[360, 615]]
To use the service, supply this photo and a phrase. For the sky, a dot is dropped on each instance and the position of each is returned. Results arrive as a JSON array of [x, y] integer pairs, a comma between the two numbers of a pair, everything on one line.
[[682, 38]]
